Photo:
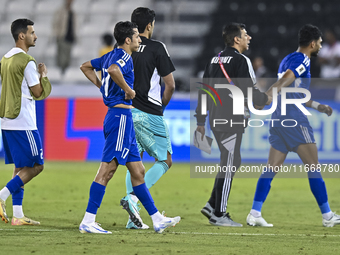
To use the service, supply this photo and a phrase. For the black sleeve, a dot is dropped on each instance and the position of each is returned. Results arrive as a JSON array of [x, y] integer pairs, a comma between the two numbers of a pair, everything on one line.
[[248, 80], [259, 98], [199, 117], [244, 75], [163, 62]]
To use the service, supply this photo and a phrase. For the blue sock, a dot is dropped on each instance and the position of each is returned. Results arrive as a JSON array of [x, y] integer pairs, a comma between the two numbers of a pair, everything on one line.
[[262, 190], [143, 194], [318, 188], [18, 196], [14, 184], [97, 192], [151, 176]]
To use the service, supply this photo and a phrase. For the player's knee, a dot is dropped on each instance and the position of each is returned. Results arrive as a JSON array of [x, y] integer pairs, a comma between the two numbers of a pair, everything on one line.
[[111, 171], [110, 174], [142, 171], [38, 169], [139, 174], [169, 162]]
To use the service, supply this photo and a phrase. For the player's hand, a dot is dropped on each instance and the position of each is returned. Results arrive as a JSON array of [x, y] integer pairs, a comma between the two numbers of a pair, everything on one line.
[[325, 109], [130, 94], [269, 101], [42, 69], [257, 107], [201, 129]]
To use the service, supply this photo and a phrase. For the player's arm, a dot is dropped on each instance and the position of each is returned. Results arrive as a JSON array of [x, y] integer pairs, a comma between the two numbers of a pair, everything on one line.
[[320, 107], [38, 88], [248, 80], [90, 73], [199, 117], [169, 88], [287, 79], [165, 68], [117, 76]]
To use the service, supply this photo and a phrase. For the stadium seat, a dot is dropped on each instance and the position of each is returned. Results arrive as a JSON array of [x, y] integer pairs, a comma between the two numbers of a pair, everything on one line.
[[195, 7], [47, 7], [94, 29], [180, 24], [3, 8], [74, 75], [103, 7], [81, 6], [54, 74], [23, 7]]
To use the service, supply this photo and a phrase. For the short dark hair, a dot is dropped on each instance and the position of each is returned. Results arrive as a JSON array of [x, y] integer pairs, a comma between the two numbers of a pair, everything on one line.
[[20, 26], [142, 16], [307, 34], [123, 30], [230, 31]]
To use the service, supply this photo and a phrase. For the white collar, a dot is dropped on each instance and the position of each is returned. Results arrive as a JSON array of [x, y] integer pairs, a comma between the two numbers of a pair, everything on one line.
[[14, 51]]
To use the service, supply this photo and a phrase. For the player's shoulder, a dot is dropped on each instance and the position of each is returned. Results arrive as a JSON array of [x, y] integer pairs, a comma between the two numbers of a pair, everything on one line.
[[237, 56], [300, 58], [295, 57], [158, 45], [121, 54], [296, 61], [121, 57], [242, 59]]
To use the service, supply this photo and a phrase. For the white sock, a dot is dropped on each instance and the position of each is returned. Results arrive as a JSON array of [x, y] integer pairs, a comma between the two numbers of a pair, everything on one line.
[[255, 213], [157, 217], [4, 193], [328, 216], [134, 198], [17, 211], [89, 218]]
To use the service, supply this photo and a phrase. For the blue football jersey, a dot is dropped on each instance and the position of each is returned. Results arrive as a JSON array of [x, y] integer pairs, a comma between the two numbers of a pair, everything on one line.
[[299, 63], [112, 93]]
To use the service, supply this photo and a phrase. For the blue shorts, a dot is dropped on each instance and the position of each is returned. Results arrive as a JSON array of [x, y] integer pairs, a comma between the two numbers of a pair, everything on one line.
[[22, 147], [152, 134], [286, 139], [120, 139]]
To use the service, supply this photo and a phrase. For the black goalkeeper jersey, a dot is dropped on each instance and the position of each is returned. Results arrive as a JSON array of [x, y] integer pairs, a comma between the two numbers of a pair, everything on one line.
[[240, 70], [151, 62]]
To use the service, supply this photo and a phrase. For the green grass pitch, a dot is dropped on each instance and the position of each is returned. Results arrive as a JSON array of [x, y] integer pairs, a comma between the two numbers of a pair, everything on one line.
[[58, 199]]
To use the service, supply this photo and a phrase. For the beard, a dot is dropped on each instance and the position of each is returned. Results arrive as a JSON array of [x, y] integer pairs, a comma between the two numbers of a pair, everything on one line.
[[315, 53]]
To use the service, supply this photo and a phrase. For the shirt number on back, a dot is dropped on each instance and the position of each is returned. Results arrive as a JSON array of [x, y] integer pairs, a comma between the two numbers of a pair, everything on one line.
[[105, 81]]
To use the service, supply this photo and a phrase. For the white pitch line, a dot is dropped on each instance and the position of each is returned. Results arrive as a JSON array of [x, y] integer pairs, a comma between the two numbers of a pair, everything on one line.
[[31, 230], [252, 234], [180, 233], [228, 234]]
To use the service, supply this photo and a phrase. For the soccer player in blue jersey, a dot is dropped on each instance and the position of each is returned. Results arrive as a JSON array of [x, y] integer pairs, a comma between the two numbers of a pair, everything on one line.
[[294, 71], [120, 143]]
